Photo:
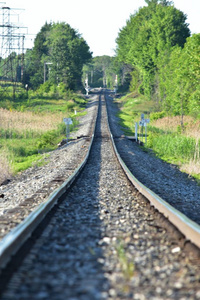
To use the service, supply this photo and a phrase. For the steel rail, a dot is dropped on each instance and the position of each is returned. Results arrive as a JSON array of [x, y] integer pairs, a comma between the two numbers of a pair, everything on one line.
[[13, 241], [187, 227]]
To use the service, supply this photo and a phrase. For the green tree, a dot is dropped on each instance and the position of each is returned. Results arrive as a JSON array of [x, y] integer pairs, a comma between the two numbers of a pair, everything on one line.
[[61, 51], [102, 71], [147, 37], [34, 60], [180, 79], [192, 57]]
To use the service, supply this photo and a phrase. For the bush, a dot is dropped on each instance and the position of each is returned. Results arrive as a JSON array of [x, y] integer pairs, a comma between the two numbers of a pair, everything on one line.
[[157, 115], [61, 128], [45, 87], [47, 139], [19, 151]]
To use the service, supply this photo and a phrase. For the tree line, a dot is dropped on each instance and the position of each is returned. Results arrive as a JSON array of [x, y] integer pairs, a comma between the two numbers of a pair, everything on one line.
[[58, 55], [155, 55], [102, 71], [164, 58]]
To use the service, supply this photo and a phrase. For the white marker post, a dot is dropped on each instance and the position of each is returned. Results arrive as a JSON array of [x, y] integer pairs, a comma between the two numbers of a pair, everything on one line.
[[136, 131], [143, 122], [115, 86], [68, 122], [86, 85]]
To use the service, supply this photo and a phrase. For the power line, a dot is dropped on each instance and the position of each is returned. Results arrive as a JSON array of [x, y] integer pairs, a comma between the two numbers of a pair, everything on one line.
[[12, 45]]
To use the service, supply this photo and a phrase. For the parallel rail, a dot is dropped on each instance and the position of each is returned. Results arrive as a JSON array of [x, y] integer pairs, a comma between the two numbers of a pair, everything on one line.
[[12, 242], [187, 227]]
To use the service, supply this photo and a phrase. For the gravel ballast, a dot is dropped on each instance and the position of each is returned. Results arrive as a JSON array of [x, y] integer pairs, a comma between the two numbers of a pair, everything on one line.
[[166, 180], [104, 242]]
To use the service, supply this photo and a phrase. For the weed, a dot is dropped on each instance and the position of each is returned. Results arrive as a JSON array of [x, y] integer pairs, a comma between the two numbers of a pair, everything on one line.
[[127, 266], [157, 115], [177, 146], [47, 140], [27, 162]]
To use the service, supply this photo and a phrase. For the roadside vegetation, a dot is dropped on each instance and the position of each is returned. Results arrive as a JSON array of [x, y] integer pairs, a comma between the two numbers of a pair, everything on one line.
[[37, 90], [174, 143], [157, 63], [164, 63], [32, 126]]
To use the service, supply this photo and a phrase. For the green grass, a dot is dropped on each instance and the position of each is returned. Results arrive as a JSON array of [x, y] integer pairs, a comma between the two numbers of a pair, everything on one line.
[[131, 107], [53, 105], [23, 152], [29, 161], [172, 147], [176, 149], [48, 98]]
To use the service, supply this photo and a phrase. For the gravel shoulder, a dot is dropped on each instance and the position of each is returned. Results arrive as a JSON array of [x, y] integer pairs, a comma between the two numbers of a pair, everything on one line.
[[26, 191], [103, 242]]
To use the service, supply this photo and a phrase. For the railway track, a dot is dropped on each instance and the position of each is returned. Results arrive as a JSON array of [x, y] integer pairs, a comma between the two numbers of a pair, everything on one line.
[[165, 180], [103, 241]]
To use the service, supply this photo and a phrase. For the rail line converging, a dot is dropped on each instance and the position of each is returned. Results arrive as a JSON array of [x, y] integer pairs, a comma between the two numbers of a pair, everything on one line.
[[103, 240]]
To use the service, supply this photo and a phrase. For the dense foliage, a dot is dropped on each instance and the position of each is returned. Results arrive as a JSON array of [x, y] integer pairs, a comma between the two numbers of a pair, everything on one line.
[[107, 71], [58, 55], [165, 60], [101, 72], [180, 79]]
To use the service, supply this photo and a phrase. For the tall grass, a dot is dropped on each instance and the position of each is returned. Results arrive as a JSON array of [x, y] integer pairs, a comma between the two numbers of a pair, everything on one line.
[[166, 137], [4, 167], [173, 146], [15, 121], [178, 144], [191, 126], [29, 127], [24, 147]]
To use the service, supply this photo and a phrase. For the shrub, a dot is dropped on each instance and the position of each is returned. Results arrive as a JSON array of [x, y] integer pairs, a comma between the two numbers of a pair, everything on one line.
[[62, 128], [19, 151], [47, 139], [157, 115]]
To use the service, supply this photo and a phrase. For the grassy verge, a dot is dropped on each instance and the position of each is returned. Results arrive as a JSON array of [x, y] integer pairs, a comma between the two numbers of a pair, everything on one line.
[[34, 125], [131, 106], [169, 140]]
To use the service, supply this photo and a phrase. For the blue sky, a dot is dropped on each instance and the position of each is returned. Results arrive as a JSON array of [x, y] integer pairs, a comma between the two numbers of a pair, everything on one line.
[[99, 24]]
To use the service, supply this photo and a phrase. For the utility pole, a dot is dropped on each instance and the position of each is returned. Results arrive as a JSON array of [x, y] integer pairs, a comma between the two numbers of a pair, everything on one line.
[[92, 73], [45, 70], [86, 85], [115, 84]]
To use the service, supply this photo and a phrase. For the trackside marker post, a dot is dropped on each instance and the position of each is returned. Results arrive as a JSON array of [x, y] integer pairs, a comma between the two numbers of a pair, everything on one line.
[[143, 122], [136, 131], [68, 122]]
